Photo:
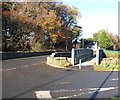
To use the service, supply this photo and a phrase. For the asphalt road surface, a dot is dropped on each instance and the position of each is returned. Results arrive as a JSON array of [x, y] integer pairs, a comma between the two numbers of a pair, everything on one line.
[[31, 78]]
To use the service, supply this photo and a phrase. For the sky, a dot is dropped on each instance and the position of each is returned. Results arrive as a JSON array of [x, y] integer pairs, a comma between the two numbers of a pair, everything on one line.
[[96, 15]]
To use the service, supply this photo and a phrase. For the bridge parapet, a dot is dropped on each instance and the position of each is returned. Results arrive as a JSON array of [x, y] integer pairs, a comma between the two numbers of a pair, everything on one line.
[[81, 53]]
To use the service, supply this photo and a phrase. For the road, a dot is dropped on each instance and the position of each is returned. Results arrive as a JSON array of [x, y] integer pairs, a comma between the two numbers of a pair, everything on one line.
[[31, 78]]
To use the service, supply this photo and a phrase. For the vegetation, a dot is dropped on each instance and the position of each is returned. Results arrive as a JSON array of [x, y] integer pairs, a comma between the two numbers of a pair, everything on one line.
[[107, 40], [111, 65], [59, 62], [104, 41], [88, 41], [110, 53], [111, 62], [115, 98], [36, 26], [32, 26]]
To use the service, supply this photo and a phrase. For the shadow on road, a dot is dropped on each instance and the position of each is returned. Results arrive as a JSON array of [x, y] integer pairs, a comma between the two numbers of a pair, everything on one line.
[[95, 94]]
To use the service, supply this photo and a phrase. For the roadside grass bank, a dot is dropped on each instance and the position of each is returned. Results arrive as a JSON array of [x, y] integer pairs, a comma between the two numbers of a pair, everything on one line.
[[115, 98], [110, 63], [110, 53]]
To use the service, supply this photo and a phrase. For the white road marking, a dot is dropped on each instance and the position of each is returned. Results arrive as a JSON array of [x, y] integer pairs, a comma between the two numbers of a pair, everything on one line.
[[107, 89], [35, 64], [42, 62], [74, 90], [75, 95], [10, 69], [64, 82], [90, 90], [114, 79], [43, 94], [25, 66]]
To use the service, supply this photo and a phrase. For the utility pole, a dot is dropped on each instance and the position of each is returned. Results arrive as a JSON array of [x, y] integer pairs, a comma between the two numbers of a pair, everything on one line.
[[83, 43]]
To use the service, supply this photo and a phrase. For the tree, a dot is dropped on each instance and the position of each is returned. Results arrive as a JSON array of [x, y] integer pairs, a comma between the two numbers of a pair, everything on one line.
[[77, 41], [112, 38], [115, 40], [42, 18], [96, 35], [104, 40], [68, 16]]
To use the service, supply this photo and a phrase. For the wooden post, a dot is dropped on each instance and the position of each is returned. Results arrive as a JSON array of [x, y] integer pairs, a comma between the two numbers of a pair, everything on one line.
[[104, 62], [60, 60]]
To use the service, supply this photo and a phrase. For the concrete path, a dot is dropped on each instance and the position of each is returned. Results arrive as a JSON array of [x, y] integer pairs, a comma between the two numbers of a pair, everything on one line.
[[86, 65], [89, 61]]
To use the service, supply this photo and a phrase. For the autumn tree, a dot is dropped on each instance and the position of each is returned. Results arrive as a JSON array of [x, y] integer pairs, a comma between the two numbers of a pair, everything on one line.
[[51, 21], [115, 40]]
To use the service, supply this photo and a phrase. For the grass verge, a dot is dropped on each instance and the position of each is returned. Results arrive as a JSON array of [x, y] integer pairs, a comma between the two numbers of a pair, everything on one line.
[[58, 62], [111, 63], [108, 64], [115, 98]]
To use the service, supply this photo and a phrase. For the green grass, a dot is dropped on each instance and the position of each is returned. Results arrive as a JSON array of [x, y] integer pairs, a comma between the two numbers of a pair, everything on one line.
[[115, 98], [111, 62], [110, 67], [110, 53]]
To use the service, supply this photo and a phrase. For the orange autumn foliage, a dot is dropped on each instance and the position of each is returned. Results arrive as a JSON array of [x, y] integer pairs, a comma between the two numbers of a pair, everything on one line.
[[58, 37]]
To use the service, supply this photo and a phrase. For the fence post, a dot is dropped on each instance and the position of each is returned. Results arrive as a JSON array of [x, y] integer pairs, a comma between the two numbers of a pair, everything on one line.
[[104, 62], [79, 63]]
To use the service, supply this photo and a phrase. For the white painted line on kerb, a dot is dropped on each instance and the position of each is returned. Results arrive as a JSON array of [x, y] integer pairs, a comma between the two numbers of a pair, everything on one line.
[[25, 66], [10, 69], [43, 94]]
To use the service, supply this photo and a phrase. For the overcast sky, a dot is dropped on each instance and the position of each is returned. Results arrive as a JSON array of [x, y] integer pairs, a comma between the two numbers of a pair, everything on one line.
[[96, 15]]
